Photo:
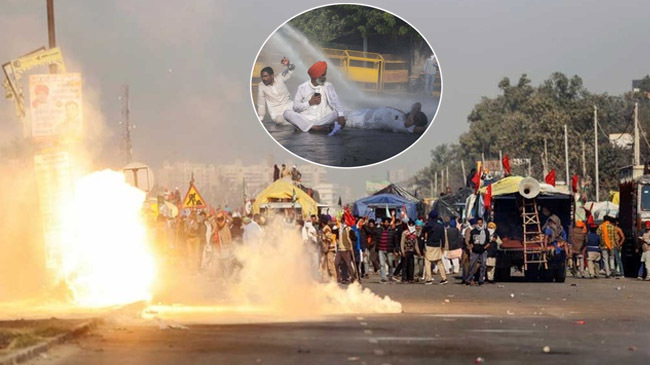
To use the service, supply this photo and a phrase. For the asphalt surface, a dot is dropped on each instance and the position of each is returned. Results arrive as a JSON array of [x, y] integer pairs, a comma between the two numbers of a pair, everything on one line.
[[353, 147], [580, 321]]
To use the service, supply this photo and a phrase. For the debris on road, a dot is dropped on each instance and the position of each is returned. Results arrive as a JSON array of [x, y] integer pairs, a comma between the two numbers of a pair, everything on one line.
[[546, 349], [580, 322], [479, 360]]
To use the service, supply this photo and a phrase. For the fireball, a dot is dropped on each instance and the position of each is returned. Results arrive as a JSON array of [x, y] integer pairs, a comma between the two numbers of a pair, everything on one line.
[[105, 253]]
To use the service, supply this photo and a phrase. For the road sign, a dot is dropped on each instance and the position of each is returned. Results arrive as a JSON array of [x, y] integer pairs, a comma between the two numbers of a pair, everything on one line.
[[193, 199], [139, 175]]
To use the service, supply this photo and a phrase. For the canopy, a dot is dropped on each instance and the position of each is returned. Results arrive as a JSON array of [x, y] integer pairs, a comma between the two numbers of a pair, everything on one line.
[[284, 190], [395, 189], [600, 209], [362, 207], [510, 185]]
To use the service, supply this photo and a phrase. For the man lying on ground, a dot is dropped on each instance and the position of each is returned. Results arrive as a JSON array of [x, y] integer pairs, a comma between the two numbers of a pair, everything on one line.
[[389, 119]]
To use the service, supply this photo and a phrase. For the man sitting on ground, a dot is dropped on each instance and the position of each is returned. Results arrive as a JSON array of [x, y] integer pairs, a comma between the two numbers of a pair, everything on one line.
[[316, 106]]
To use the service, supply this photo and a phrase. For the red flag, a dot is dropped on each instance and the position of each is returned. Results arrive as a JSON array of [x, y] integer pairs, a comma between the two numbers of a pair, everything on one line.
[[550, 178], [506, 165], [574, 183], [487, 198], [477, 178], [348, 218]]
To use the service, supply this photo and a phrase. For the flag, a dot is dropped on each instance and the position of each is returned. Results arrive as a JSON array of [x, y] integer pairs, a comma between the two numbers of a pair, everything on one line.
[[574, 183], [245, 189], [487, 199], [387, 212], [476, 180], [348, 218], [506, 165], [340, 202], [293, 196], [550, 178]]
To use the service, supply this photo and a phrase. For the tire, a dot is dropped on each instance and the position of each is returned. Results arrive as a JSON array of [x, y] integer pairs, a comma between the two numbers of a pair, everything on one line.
[[559, 274], [502, 274], [532, 273], [547, 275]]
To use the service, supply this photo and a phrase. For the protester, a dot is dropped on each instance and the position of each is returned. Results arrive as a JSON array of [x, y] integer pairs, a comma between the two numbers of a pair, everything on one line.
[[389, 119], [479, 238], [453, 247], [616, 250], [344, 253], [593, 246], [419, 251], [285, 172], [408, 243], [385, 248], [492, 250], [434, 233], [645, 255], [273, 92], [608, 240], [316, 105], [577, 239], [276, 173], [370, 252], [328, 248], [295, 174], [252, 231]]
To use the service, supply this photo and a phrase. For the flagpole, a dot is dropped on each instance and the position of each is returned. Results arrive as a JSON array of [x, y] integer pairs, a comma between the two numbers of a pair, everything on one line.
[[596, 150], [566, 154]]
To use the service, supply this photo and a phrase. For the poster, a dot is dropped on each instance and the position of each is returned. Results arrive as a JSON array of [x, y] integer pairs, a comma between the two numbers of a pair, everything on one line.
[[55, 105]]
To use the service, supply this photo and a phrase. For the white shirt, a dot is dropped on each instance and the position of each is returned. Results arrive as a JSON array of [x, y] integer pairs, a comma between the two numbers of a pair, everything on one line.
[[252, 233], [384, 118], [329, 101], [276, 96], [309, 233]]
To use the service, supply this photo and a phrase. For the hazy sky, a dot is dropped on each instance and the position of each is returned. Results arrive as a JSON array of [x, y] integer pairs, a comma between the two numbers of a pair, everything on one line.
[[188, 64]]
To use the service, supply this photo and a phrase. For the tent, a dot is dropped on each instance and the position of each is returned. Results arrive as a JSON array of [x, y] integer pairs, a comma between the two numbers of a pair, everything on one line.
[[367, 206], [400, 191], [284, 191], [452, 205]]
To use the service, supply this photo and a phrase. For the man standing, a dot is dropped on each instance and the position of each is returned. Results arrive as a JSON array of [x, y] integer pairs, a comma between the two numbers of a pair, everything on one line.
[[492, 251], [328, 248], [295, 174], [479, 237], [408, 244], [645, 256], [252, 231], [316, 106], [593, 251], [345, 245], [608, 239], [273, 92], [429, 71], [435, 235], [386, 243], [577, 239]]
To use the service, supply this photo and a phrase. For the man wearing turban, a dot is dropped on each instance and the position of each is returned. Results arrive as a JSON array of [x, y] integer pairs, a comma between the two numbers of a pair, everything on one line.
[[316, 106]]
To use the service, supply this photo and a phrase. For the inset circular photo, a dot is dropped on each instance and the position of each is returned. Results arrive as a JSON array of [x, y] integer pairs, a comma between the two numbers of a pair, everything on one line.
[[346, 85]]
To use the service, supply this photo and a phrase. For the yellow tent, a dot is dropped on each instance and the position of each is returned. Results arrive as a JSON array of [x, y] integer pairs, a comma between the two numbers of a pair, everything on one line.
[[282, 189]]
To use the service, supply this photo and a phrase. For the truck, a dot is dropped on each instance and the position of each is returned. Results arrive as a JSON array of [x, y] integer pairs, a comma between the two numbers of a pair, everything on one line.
[[516, 207], [633, 212]]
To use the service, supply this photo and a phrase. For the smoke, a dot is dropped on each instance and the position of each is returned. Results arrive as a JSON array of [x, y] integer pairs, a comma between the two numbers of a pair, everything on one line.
[[275, 280]]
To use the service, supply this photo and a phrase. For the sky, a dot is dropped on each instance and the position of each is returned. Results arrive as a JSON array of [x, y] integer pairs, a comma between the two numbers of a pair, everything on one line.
[[188, 65]]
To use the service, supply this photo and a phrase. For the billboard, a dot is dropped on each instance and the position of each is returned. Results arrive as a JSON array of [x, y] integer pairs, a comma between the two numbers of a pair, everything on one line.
[[55, 105]]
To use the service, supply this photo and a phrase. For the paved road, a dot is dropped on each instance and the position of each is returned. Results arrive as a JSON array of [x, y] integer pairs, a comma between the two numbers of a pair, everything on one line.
[[581, 321]]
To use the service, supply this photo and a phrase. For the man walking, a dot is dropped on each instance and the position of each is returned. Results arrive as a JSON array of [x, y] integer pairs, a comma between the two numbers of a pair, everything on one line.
[[577, 239], [479, 237], [344, 253], [608, 239], [316, 106], [435, 234]]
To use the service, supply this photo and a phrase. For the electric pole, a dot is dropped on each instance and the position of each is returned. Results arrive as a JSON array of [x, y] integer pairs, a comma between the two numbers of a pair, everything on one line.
[[126, 125], [51, 34], [596, 150]]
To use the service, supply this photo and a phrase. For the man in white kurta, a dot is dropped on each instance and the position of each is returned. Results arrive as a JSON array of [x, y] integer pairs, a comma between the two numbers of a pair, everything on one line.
[[316, 106], [272, 92]]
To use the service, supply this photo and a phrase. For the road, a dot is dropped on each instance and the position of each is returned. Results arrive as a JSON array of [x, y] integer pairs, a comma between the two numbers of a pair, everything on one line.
[[581, 321]]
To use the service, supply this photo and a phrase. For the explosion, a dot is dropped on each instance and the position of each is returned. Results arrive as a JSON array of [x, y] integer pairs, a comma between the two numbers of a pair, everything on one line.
[[106, 259]]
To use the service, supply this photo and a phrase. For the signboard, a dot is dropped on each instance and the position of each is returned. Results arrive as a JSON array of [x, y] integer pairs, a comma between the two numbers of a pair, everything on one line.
[[55, 105], [139, 175], [193, 199], [622, 140], [53, 174]]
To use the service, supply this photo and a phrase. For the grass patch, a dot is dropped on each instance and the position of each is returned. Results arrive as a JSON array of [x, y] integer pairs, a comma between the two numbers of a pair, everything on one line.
[[5, 339], [24, 340], [49, 331]]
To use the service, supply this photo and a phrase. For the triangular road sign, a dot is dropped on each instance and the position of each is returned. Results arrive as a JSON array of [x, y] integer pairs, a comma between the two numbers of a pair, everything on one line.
[[193, 199]]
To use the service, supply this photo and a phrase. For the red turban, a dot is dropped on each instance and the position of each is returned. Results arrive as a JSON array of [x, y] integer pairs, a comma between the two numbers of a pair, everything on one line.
[[317, 69]]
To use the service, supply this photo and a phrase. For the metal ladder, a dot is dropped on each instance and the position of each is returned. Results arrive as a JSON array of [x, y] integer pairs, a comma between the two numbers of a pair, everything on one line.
[[533, 235]]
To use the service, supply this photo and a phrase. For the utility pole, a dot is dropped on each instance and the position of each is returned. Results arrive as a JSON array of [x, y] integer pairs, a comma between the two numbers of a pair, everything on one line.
[[501, 162], [447, 178], [566, 154], [462, 166], [51, 34], [435, 184], [545, 161], [637, 146], [126, 124], [584, 159], [596, 150]]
